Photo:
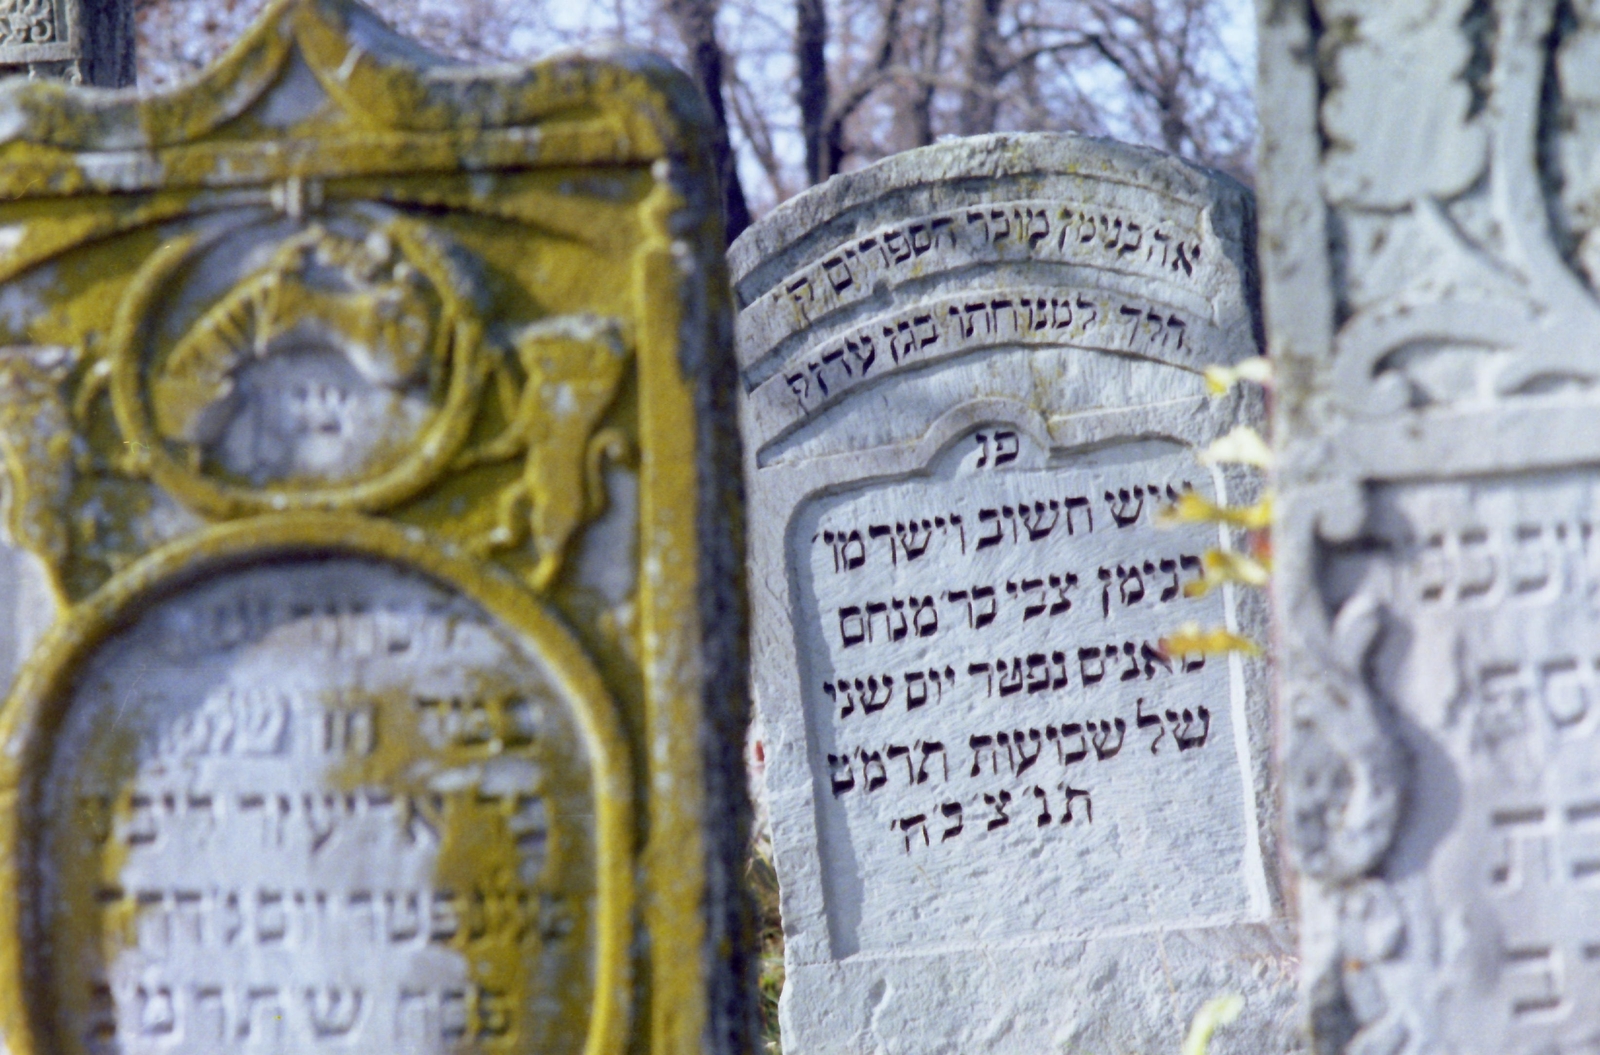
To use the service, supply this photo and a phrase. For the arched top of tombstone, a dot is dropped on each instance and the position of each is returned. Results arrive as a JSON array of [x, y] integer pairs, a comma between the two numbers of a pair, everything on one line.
[[999, 167], [1074, 242], [335, 61]]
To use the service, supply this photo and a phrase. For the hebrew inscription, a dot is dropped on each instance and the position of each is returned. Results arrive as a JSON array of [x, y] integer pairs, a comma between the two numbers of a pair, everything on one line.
[[948, 326], [989, 691], [1498, 671], [1045, 231], [972, 378], [324, 805]]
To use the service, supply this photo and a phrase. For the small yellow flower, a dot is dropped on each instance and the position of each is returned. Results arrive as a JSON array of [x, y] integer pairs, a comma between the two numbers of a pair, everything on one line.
[[1191, 509], [1190, 639], [1242, 446], [1219, 379], [1229, 566]]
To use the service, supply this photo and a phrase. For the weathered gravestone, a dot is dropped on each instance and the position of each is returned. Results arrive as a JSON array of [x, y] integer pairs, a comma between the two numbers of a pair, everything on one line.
[[1429, 220], [78, 41], [368, 476], [1004, 819]]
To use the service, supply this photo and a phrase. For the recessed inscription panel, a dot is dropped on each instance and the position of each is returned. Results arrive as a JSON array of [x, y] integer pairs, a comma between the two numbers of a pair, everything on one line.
[[321, 804], [998, 738]]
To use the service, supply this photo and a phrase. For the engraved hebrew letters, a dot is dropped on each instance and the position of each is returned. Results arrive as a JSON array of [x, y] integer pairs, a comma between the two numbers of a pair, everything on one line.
[[324, 801], [992, 649], [971, 382]]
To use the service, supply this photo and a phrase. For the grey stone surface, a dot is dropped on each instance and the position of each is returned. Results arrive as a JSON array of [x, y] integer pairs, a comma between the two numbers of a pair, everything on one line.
[[1428, 219], [1002, 820], [79, 41]]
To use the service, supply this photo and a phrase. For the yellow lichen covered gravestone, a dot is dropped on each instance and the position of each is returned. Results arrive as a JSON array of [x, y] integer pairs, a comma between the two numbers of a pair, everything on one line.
[[371, 609]]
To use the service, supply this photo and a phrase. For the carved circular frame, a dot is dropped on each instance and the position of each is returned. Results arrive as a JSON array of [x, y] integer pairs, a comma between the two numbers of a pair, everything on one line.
[[458, 343], [32, 717]]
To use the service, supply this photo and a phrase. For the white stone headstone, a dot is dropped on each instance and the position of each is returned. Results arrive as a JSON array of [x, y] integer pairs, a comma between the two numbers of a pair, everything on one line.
[[1003, 818], [1428, 233]]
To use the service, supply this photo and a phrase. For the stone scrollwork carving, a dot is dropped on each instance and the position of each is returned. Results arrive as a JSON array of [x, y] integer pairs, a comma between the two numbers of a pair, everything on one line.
[[1347, 776], [341, 366], [1433, 303], [566, 374], [27, 22], [39, 448], [1500, 207], [313, 367]]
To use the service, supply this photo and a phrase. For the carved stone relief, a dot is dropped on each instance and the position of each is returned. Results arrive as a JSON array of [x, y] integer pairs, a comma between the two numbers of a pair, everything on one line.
[[75, 41], [1429, 292], [370, 614]]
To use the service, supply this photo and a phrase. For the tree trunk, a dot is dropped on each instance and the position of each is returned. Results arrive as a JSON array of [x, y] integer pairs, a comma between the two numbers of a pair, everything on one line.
[[916, 116], [696, 21], [810, 52], [980, 100]]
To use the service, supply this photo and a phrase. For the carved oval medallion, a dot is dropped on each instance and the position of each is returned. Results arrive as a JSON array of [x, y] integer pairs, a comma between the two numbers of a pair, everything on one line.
[[320, 803], [291, 364]]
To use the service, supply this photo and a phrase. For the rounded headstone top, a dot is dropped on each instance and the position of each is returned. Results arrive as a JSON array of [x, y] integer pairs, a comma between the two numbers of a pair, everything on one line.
[[1032, 214], [1009, 157]]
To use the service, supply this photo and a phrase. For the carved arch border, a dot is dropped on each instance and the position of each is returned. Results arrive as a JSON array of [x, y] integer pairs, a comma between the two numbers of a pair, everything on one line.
[[31, 719]]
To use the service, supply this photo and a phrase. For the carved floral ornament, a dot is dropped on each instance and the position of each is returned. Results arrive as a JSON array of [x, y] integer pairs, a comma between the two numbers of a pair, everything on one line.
[[1497, 305], [1502, 203], [27, 22], [1463, 226]]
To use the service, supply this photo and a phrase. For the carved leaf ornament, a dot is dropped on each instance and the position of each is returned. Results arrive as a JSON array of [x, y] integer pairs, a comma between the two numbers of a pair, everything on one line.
[[27, 22], [1500, 303]]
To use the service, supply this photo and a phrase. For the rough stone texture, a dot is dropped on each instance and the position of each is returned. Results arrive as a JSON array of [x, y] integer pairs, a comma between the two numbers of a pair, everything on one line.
[[1428, 218], [371, 610], [79, 41], [1003, 820]]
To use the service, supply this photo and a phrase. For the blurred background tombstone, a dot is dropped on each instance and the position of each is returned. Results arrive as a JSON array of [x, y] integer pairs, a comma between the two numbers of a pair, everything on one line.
[[78, 41], [1429, 212], [371, 488]]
